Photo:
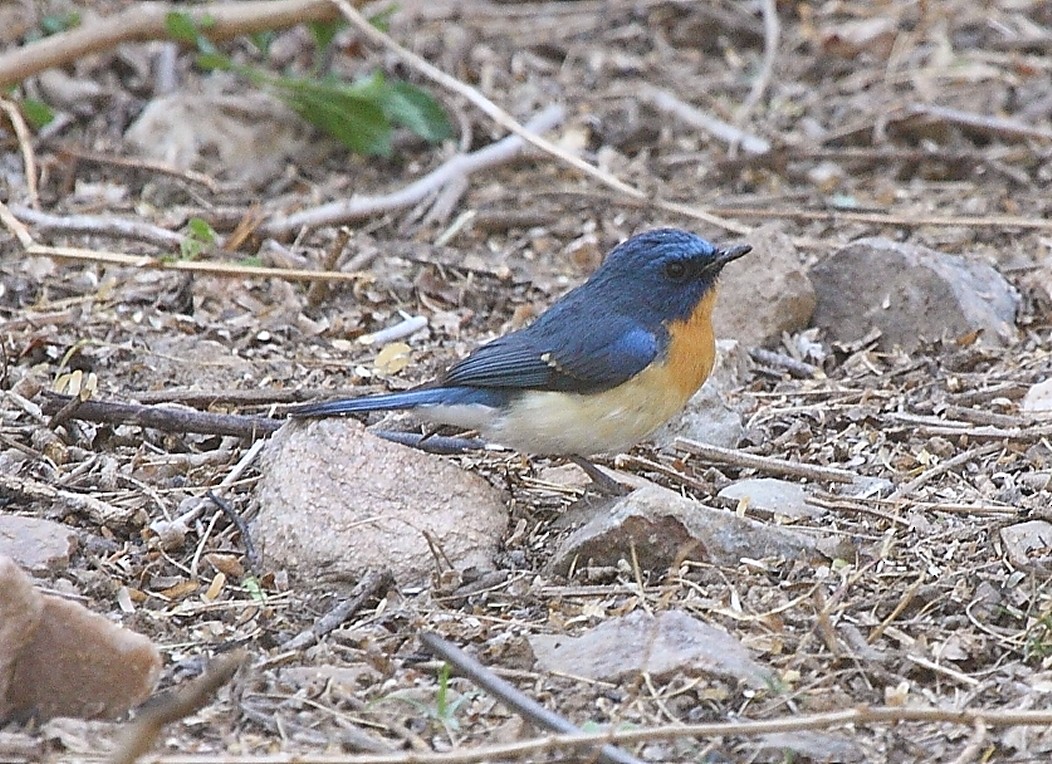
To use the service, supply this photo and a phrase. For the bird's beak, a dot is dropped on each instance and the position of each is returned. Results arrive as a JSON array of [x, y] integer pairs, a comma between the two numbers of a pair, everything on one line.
[[725, 256]]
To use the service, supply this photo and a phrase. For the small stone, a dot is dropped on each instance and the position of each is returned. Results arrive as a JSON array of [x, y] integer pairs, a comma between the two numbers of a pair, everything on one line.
[[57, 658], [662, 527], [671, 643], [336, 500], [247, 136], [39, 546], [766, 293], [910, 292], [778, 497], [1038, 398], [1029, 546]]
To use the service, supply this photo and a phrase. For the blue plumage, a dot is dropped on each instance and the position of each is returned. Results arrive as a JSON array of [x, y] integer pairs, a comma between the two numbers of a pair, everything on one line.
[[595, 339]]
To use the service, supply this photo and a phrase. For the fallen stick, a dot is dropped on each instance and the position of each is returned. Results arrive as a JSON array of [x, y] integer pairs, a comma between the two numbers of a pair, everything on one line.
[[460, 166]]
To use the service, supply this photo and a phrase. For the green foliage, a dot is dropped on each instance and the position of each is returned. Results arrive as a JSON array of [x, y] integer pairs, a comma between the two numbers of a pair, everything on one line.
[[37, 113], [323, 32], [54, 23], [382, 18], [446, 704], [199, 237], [1039, 638], [361, 115]]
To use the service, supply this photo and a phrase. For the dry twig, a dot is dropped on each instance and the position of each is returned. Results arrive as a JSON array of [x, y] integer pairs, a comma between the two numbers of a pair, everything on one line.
[[25, 145], [504, 691], [771, 34], [373, 584], [102, 513], [143, 734], [868, 715], [148, 21], [165, 418], [766, 464], [459, 166]]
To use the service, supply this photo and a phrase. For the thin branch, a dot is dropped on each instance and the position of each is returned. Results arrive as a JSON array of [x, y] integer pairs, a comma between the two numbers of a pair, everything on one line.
[[373, 584], [724, 131], [25, 145], [504, 119], [101, 513], [144, 164], [510, 696], [165, 418], [765, 464], [962, 458], [191, 697], [461, 165], [98, 225], [771, 33], [148, 21], [1000, 127], [869, 715], [490, 109], [887, 218]]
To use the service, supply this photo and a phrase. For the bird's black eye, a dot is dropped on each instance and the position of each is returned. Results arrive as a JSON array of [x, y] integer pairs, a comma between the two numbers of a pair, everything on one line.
[[676, 270]]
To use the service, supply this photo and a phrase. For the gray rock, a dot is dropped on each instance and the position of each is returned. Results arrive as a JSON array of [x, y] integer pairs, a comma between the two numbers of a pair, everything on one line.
[[671, 643], [910, 292], [1028, 546], [248, 136], [778, 497], [663, 527], [766, 293], [1038, 398], [336, 501], [39, 546]]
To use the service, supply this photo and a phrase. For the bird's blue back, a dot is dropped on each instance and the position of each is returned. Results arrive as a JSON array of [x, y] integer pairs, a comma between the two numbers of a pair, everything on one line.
[[594, 338]]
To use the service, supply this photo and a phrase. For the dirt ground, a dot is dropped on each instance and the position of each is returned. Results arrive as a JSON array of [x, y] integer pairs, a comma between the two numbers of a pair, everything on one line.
[[917, 603]]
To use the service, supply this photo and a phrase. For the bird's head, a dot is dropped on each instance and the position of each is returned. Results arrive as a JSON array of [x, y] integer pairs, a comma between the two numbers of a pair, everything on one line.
[[666, 272]]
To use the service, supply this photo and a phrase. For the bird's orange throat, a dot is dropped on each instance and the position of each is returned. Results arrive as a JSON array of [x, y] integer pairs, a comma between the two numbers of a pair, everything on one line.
[[692, 347]]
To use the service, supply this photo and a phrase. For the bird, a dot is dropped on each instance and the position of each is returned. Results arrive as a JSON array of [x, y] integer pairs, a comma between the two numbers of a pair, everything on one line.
[[604, 367]]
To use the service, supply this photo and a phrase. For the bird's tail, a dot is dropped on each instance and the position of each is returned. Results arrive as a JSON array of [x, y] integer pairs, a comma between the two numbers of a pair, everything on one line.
[[410, 399]]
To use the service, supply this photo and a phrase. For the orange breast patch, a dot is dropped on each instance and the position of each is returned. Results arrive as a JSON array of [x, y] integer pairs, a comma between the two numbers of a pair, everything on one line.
[[692, 347]]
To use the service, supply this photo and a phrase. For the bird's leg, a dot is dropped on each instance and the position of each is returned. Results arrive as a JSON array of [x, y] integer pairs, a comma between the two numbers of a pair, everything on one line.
[[602, 482]]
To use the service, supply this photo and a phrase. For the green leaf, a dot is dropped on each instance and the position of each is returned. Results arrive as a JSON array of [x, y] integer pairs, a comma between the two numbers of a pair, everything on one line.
[[199, 229], [37, 113], [59, 22], [263, 40], [324, 31], [185, 28], [382, 18], [212, 61], [409, 106], [180, 26], [341, 111], [255, 591]]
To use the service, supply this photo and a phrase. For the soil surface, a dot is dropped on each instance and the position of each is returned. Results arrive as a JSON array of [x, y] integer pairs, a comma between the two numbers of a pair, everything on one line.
[[928, 123]]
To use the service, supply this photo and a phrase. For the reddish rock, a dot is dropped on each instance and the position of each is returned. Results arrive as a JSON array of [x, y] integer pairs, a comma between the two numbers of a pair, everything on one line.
[[57, 658]]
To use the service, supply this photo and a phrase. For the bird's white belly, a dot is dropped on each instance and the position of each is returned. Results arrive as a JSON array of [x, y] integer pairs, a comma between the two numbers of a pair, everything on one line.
[[547, 422]]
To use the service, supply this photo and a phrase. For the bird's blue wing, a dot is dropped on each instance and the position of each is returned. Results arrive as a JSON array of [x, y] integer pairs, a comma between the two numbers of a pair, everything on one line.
[[548, 356]]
